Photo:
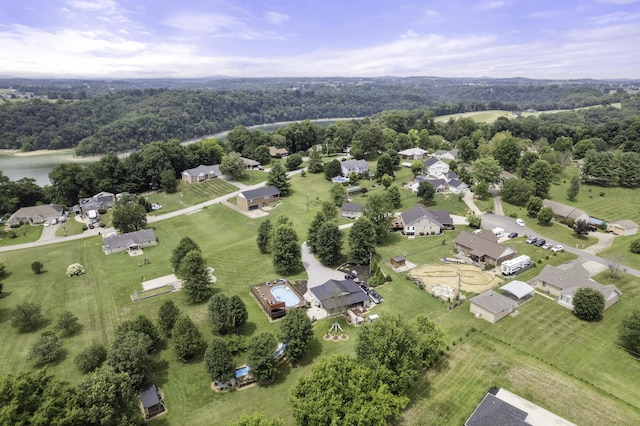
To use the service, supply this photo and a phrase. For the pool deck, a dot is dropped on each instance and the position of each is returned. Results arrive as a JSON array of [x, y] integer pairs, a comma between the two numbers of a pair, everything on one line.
[[273, 307]]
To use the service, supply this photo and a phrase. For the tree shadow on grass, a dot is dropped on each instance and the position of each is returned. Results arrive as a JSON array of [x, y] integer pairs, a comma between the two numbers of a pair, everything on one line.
[[281, 376], [158, 372], [314, 350], [247, 329]]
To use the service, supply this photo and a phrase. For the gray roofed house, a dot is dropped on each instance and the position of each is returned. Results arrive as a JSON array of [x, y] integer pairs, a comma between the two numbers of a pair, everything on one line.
[[481, 249], [337, 294], [201, 173], [420, 221], [351, 210], [258, 198], [249, 163], [36, 214], [457, 186], [130, 241], [491, 306], [451, 154], [101, 201], [436, 167], [564, 211], [412, 154], [360, 167], [564, 284]]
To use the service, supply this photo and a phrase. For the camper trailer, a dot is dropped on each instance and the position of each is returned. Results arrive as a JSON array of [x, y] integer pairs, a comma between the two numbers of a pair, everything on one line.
[[512, 266]]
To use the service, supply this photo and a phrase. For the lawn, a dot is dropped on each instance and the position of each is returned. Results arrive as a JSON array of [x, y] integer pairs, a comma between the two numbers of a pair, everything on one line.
[[189, 195], [23, 234], [545, 354], [620, 253]]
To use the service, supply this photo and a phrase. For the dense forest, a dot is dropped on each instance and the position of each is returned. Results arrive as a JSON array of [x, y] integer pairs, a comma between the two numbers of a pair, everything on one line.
[[98, 117]]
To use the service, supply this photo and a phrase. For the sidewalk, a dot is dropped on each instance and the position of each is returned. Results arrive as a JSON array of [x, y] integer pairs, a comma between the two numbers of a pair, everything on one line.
[[468, 200]]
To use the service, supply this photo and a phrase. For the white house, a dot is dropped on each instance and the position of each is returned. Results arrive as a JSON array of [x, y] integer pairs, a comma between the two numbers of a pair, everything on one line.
[[412, 154], [436, 167], [447, 155], [358, 166]]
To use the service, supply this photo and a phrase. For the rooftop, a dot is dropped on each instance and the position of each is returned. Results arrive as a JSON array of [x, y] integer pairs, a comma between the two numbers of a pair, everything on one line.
[[265, 191], [493, 302]]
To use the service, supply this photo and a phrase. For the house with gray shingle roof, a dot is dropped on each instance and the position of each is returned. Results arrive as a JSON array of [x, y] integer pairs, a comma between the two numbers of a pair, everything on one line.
[[36, 214], [562, 211], [131, 241], [334, 295], [483, 250], [564, 283], [258, 198], [420, 221], [412, 154], [491, 306], [351, 210], [201, 173], [435, 167], [360, 167]]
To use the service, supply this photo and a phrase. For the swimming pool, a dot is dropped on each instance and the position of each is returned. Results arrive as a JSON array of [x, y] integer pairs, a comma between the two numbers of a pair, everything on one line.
[[285, 294], [339, 179], [242, 371]]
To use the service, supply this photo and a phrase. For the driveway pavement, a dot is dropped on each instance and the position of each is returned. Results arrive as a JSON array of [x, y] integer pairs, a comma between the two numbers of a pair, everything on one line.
[[468, 200]]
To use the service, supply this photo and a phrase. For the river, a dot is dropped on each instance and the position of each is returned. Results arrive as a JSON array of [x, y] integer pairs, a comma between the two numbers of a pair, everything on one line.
[[38, 165]]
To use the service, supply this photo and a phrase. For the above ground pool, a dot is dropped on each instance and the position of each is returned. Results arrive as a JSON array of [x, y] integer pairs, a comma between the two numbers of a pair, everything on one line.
[[285, 294], [242, 371], [339, 179]]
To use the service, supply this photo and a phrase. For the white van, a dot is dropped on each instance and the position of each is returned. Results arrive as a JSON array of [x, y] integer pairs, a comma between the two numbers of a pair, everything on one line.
[[520, 222]]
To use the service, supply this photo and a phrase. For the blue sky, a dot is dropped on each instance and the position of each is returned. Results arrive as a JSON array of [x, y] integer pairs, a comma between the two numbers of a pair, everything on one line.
[[274, 38]]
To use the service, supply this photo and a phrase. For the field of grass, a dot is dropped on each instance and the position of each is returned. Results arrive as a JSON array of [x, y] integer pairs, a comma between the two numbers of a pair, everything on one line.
[[490, 116], [620, 253], [23, 234], [189, 194], [544, 354]]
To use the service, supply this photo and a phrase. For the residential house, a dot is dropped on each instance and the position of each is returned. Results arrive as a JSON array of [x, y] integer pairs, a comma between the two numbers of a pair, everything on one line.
[[131, 241], [351, 210], [201, 173], [250, 164], [491, 306], [623, 227], [151, 402], [439, 185], [563, 283], [339, 295], [360, 167], [420, 221], [457, 186], [258, 198], [482, 250], [505, 176], [561, 211], [278, 152], [412, 154], [101, 201], [435, 167], [36, 214], [500, 407], [443, 154]]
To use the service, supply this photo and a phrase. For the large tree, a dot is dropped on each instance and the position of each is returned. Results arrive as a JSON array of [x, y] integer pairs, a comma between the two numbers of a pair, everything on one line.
[[218, 361], [129, 215], [332, 169], [393, 197], [129, 354], [534, 204], [486, 169], [264, 236], [588, 304], [379, 212], [226, 313], [390, 343], [67, 324], [186, 339], [541, 174], [384, 166], [507, 152], [329, 244], [167, 316], [574, 188], [90, 358], [362, 241], [27, 316], [108, 398], [296, 330], [46, 349], [629, 332], [426, 192], [338, 194], [342, 390], [195, 277], [431, 343], [293, 161], [315, 161], [232, 165], [285, 250], [314, 228], [278, 177], [260, 357], [545, 215], [517, 191], [185, 246]]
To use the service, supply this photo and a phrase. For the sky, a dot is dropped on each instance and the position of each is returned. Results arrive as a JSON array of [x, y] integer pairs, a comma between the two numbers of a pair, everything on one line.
[[559, 39]]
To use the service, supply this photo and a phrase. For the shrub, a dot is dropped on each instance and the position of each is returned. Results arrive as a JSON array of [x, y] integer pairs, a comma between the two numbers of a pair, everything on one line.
[[46, 349], [588, 304], [635, 246], [75, 269], [91, 358], [602, 194], [36, 267], [27, 316]]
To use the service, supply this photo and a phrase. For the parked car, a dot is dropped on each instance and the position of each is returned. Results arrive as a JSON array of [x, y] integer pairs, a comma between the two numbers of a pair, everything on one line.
[[531, 240], [520, 222], [373, 295], [513, 235], [540, 242], [546, 246], [557, 249], [365, 287], [349, 277]]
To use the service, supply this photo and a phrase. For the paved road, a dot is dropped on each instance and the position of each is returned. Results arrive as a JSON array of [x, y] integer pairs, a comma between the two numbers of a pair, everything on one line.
[[490, 221]]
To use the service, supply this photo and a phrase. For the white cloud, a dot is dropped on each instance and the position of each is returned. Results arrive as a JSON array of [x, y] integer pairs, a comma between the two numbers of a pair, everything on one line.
[[618, 2], [493, 4], [93, 5], [615, 17], [220, 25], [276, 18]]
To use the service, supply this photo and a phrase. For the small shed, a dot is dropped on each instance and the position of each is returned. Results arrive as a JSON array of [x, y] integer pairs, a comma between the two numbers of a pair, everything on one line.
[[151, 402], [623, 227], [398, 261]]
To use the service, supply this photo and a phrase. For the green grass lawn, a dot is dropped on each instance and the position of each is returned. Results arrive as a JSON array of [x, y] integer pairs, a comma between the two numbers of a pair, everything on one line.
[[23, 234], [620, 253], [252, 177], [545, 354], [189, 195]]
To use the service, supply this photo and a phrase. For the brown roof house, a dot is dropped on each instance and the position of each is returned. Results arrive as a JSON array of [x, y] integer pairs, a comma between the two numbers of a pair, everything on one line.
[[562, 211], [564, 283], [483, 250], [36, 214], [131, 241], [201, 173], [420, 221], [258, 198], [491, 306], [278, 152], [351, 210], [623, 227]]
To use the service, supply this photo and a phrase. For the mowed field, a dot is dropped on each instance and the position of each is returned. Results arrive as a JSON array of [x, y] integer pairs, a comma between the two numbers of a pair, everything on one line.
[[545, 354], [190, 194]]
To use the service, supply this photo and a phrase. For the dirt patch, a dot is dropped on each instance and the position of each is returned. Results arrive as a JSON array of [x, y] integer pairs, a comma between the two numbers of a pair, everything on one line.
[[472, 278]]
